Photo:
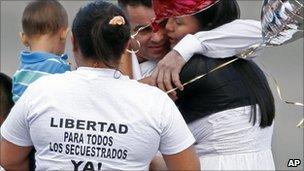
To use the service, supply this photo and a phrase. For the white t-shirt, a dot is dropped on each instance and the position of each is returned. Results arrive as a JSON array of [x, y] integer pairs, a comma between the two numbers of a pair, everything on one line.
[[86, 119]]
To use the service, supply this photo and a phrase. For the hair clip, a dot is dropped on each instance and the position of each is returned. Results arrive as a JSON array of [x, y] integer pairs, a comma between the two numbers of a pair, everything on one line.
[[117, 20]]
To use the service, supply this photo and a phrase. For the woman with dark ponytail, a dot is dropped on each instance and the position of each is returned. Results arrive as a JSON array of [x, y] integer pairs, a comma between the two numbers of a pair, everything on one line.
[[231, 110], [86, 120]]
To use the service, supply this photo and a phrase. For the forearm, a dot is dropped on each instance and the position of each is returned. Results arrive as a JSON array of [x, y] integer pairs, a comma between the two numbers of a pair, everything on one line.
[[225, 41], [185, 160], [20, 166], [147, 80], [158, 163]]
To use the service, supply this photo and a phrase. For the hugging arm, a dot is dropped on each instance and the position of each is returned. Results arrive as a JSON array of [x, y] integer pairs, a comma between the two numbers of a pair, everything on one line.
[[225, 41]]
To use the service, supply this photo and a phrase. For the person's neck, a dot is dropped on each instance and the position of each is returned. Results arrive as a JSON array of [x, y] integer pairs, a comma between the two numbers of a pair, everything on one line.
[[96, 64], [46, 43]]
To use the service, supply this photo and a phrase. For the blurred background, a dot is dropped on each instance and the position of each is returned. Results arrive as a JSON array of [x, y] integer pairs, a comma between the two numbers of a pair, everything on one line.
[[285, 63]]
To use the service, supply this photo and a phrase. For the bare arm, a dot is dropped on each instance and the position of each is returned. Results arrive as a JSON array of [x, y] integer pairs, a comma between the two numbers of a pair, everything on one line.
[[185, 160], [147, 80], [13, 157], [158, 163]]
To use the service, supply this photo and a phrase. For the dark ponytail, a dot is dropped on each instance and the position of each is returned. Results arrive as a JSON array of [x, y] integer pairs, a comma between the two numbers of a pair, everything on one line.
[[98, 39]]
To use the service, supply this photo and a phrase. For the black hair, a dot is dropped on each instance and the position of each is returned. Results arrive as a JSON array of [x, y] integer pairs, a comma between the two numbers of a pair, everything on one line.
[[97, 39], [6, 100], [145, 3], [224, 11], [260, 93], [252, 76], [43, 17]]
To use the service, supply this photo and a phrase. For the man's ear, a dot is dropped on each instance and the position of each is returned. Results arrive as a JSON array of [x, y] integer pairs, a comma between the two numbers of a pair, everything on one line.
[[24, 39], [64, 34]]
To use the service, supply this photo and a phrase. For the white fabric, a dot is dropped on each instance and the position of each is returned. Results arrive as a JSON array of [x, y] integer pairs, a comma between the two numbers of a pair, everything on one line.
[[225, 41], [228, 141], [131, 121], [142, 70], [147, 68]]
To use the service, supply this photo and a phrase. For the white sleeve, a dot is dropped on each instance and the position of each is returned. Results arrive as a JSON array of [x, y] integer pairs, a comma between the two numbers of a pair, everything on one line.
[[15, 128], [175, 136], [225, 41]]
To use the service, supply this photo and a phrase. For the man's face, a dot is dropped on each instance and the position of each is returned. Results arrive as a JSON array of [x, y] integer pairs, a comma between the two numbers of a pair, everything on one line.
[[153, 46]]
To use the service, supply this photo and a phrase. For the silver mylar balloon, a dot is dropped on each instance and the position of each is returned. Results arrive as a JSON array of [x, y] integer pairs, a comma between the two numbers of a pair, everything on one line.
[[282, 23]]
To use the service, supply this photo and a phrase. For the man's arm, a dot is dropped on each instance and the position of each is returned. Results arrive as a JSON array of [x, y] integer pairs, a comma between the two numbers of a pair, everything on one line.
[[225, 41]]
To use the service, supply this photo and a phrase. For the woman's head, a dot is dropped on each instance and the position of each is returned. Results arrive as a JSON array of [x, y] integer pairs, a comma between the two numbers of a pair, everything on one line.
[[219, 14], [96, 37]]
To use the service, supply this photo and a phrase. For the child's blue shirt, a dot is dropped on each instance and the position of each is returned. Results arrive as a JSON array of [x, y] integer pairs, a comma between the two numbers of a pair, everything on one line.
[[35, 65]]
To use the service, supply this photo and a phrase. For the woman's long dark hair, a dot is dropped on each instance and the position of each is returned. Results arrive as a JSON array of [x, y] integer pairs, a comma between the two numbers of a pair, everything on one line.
[[252, 76], [260, 93], [219, 14]]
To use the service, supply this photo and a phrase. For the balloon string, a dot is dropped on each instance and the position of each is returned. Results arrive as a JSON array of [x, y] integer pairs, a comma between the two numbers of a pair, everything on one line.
[[203, 75], [301, 123], [245, 54]]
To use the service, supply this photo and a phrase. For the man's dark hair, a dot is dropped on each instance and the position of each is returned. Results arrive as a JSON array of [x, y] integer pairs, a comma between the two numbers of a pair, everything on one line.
[[98, 39], [124, 3], [43, 17]]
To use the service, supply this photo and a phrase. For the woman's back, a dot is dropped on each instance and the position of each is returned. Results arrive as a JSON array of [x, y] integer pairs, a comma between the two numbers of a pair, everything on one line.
[[220, 110], [88, 126], [228, 141], [238, 84]]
